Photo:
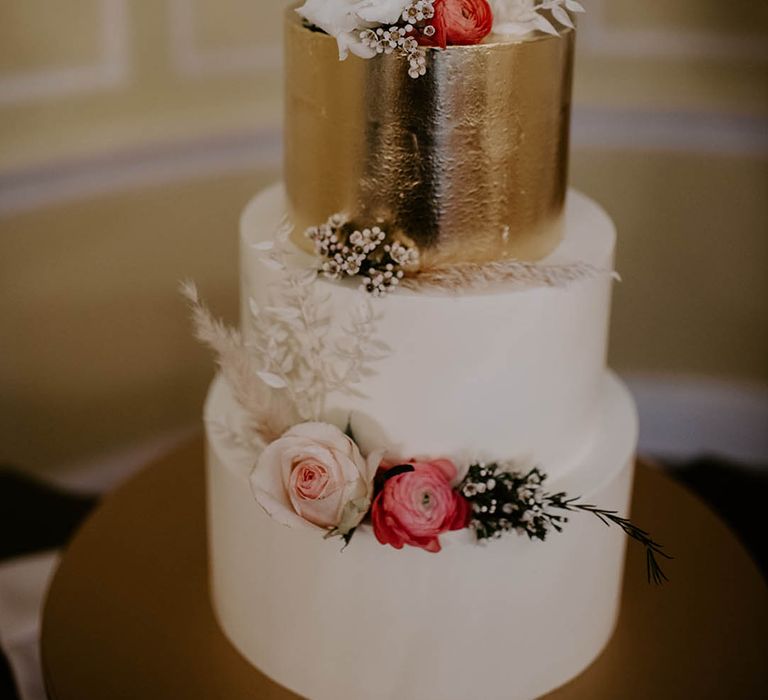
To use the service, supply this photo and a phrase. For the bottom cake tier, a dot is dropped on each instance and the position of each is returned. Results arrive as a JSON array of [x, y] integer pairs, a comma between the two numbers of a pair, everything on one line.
[[506, 620]]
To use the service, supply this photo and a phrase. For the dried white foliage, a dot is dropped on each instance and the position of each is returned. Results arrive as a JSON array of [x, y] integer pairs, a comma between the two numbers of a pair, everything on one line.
[[521, 17], [296, 353], [355, 356], [400, 40], [463, 276], [304, 350]]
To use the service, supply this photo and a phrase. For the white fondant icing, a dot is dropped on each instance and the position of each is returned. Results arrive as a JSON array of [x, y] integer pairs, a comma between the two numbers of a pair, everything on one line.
[[508, 620]]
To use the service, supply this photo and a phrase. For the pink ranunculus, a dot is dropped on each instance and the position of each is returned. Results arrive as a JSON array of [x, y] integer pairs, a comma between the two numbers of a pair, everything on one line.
[[467, 22], [315, 475], [459, 23], [415, 507]]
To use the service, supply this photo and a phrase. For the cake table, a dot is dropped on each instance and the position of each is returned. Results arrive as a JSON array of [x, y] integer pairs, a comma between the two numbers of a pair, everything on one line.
[[128, 613]]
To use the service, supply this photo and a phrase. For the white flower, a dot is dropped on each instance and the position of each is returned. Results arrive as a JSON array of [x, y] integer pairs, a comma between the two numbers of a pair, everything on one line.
[[344, 20], [339, 19], [381, 11], [521, 17], [513, 10], [315, 475]]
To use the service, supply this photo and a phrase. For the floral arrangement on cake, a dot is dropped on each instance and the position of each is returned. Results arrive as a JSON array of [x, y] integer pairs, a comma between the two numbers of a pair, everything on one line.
[[315, 476], [383, 262], [309, 473], [368, 28]]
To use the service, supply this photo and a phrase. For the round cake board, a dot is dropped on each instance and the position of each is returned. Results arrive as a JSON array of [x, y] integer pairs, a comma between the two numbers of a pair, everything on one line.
[[128, 613]]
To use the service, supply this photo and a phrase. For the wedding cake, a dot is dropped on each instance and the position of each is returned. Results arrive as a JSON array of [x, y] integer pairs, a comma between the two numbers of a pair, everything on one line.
[[414, 428]]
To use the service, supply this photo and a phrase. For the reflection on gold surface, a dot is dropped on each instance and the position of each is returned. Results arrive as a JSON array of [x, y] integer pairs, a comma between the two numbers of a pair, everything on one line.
[[469, 161]]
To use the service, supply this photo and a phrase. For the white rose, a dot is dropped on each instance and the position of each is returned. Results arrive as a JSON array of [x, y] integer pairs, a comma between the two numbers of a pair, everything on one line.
[[515, 17], [345, 19], [381, 11], [314, 474]]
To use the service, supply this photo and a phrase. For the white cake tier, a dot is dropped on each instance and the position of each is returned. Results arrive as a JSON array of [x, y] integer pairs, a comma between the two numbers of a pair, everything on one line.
[[507, 620], [497, 375]]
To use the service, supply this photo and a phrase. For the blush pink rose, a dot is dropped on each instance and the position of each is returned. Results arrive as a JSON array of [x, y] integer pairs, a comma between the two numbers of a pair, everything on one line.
[[314, 474], [415, 507]]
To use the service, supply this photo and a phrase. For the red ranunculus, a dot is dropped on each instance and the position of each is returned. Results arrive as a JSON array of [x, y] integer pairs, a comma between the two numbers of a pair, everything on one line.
[[415, 507], [460, 23]]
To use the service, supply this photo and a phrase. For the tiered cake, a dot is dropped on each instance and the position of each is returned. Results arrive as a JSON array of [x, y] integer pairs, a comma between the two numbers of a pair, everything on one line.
[[483, 349]]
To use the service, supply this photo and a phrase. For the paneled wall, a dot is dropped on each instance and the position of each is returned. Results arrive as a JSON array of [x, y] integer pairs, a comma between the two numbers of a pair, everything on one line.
[[133, 131], [107, 75]]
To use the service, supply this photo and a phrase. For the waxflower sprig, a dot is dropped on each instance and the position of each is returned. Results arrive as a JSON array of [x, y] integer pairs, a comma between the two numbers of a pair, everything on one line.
[[505, 501], [378, 259]]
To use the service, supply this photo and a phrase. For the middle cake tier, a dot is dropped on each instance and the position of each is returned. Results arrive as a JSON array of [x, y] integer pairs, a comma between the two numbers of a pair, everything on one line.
[[506, 373]]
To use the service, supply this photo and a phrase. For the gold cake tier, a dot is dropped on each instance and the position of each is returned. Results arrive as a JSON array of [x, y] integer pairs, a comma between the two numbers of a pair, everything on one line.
[[469, 162]]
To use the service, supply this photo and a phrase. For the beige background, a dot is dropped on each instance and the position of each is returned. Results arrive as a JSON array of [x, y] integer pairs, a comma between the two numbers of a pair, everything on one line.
[[132, 134]]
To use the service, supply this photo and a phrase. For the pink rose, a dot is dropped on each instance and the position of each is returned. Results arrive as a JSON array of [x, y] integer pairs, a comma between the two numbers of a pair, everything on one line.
[[415, 507], [314, 474]]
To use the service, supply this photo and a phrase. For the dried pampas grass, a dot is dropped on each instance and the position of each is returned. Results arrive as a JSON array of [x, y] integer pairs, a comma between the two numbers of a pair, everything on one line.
[[464, 276], [269, 413]]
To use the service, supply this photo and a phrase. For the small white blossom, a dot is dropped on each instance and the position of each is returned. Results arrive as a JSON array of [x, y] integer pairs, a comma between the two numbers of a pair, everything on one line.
[[419, 11], [363, 252], [396, 40]]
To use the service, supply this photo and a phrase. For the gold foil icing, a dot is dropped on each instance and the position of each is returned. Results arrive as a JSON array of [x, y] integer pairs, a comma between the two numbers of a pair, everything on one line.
[[469, 161]]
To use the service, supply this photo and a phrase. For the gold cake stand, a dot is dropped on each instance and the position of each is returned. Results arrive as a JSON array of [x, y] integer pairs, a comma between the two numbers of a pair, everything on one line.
[[128, 615]]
